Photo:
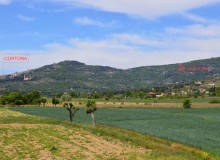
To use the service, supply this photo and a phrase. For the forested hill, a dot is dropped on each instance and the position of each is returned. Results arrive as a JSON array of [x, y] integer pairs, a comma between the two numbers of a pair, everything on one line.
[[75, 76]]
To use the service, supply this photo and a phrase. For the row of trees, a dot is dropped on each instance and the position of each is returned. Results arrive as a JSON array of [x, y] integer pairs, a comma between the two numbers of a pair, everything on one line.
[[17, 98], [66, 99], [90, 109], [142, 93]]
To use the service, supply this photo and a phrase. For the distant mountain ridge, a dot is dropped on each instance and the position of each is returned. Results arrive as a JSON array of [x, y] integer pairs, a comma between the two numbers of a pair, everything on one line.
[[76, 76]]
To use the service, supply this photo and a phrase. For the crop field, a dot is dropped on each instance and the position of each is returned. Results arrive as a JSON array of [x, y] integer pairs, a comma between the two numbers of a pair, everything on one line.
[[153, 100], [31, 137], [199, 128]]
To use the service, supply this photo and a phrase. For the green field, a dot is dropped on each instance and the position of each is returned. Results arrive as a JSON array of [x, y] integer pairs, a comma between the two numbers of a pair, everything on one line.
[[33, 137], [198, 128], [153, 100]]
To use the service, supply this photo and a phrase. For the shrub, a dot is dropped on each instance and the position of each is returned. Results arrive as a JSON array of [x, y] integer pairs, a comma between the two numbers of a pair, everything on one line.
[[187, 103], [80, 103], [215, 101]]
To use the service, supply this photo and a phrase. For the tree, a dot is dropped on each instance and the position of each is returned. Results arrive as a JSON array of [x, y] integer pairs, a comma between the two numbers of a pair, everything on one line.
[[13, 98], [213, 91], [128, 93], [3, 100], [66, 98], [73, 95], [141, 94], [37, 101], [55, 101], [44, 101], [72, 110], [90, 109], [33, 96], [96, 95], [187, 103]]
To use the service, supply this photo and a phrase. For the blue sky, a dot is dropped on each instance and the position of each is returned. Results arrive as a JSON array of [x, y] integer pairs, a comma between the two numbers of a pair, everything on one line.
[[117, 33]]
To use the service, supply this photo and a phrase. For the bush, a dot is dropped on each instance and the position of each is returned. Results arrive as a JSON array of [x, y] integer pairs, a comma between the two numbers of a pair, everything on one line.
[[215, 101], [187, 103], [80, 103]]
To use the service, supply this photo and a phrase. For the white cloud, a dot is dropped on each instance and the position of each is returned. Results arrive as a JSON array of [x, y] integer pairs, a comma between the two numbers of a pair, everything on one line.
[[5, 2], [198, 30], [196, 18], [88, 21], [25, 18], [141, 8], [131, 50]]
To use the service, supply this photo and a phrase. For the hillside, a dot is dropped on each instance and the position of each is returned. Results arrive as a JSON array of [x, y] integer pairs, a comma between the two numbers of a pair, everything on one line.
[[75, 76]]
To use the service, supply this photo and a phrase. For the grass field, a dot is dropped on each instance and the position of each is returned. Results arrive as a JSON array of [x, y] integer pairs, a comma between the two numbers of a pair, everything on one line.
[[196, 127], [152, 100], [30, 137], [146, 103]]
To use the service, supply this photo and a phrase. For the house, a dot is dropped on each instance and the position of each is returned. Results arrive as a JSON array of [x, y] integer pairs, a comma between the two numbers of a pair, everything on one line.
[[202, 90], [161, 95], [151, 95], [198, 82], [211, 84], [26, 78]]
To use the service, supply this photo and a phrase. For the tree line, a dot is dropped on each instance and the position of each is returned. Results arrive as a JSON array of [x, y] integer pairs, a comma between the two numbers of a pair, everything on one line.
[[18, 98], [142, 94]]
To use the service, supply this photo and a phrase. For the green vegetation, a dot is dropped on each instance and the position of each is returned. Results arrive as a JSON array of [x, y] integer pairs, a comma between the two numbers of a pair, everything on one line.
[[90, 109], [72, 110], [164, 100], [55, 101], [31, 137], [215, 101], [17, 98], [74, 76], [86, 85], [196, 127], [187, 103], [66, 98]]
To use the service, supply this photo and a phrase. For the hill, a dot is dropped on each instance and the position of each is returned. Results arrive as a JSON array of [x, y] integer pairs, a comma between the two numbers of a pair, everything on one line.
[[75, 76]]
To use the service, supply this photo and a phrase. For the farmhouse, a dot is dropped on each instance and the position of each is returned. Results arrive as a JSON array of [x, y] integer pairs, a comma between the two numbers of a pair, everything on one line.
[[151, 95]]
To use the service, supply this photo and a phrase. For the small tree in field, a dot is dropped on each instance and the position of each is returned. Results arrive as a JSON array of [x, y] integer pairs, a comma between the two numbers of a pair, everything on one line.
[[66, 98], [55, 101], [72, 109], [44, 101], [187, 103], [90, 109]]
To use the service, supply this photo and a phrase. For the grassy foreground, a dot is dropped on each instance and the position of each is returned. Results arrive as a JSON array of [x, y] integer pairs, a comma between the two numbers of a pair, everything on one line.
[[198, 128], [31, 137]]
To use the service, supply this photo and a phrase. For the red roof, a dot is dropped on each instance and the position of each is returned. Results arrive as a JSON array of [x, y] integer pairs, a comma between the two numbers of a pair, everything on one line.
[[151, 93]]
